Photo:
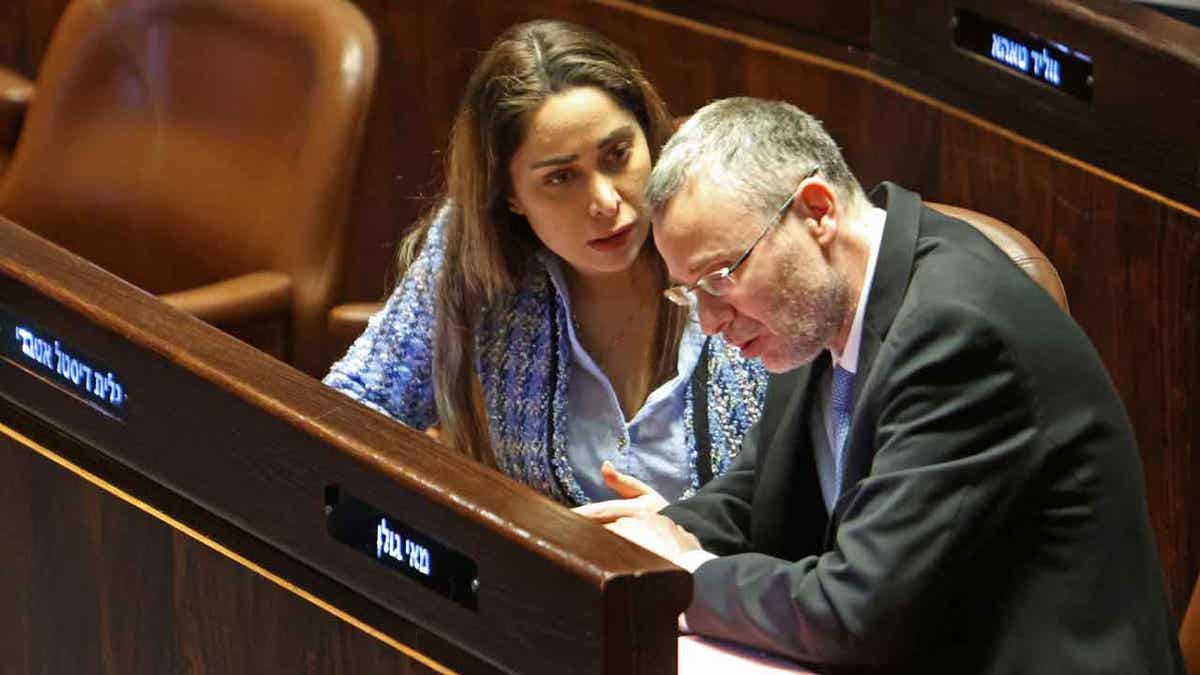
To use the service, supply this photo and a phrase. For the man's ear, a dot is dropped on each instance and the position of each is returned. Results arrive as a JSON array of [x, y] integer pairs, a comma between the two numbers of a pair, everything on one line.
[[818, 205], [514, 205]]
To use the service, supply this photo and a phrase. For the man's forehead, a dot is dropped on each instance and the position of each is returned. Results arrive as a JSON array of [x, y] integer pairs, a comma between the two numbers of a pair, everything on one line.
[[695, 226]]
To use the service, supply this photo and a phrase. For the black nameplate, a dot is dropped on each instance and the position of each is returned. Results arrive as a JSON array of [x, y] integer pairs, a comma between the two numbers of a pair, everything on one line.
[[391, 543], [1044, 61], [55, 361]]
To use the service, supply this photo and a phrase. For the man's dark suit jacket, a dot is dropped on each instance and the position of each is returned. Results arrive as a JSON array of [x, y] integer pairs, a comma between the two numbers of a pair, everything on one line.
[[995, 519]]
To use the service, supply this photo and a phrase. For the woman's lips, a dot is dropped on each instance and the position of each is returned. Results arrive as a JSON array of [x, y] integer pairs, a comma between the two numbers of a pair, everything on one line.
[[613, 241]]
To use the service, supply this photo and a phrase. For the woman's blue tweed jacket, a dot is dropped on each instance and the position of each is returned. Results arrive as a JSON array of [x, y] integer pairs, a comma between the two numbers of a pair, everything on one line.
[[524, 362]]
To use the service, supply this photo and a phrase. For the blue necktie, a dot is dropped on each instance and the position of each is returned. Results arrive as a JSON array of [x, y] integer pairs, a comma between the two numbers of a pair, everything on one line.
[[843, 381]]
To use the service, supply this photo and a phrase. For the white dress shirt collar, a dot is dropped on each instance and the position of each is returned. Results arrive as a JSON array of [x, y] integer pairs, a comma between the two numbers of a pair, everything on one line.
[[848, 358]]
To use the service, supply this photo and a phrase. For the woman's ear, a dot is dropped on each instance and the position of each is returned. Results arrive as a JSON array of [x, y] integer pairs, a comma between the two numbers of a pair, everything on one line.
[[514, 205]]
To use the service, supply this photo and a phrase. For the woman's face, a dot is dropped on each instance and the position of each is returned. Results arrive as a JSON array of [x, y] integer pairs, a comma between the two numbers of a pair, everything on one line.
[[578, 177]]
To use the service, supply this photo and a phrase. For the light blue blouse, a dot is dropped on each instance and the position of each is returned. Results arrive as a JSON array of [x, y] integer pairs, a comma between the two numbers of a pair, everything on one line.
[[652, 446]]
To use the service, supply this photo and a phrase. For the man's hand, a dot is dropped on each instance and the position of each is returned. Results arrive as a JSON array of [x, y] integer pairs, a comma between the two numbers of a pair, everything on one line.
[[636, 497], [657, 534]]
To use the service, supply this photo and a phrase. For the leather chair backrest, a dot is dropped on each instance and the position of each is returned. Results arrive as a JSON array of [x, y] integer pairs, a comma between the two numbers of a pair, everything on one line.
[[1189, 632], [1023, 252], [182, 142]]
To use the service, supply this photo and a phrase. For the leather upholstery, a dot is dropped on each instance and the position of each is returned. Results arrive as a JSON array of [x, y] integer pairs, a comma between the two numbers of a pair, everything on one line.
[[1017, 246], [1189, 632], [204, 150], [348, 321], [15, 92]]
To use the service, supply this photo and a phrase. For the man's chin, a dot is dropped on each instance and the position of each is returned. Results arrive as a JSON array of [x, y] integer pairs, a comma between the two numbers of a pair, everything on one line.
[[777, 365], [776, 362]]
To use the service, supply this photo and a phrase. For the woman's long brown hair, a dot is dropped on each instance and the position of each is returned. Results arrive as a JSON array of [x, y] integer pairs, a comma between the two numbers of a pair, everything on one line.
[[486, 245]]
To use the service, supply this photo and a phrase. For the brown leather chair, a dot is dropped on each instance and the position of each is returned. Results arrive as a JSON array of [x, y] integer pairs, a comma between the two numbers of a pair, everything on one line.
[[1023, 252], [1189, 632], [15, 92], [204, 150], [347, 321]]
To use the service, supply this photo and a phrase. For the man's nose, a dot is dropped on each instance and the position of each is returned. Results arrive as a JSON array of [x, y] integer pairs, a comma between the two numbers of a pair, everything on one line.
[[715, 314], [606, 201]]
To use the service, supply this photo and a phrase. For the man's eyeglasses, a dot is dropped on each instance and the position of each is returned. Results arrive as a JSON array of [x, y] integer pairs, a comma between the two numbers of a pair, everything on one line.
[[720, 282]]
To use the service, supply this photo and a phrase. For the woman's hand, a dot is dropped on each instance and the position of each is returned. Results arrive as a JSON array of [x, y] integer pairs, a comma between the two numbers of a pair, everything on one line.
[[636, 498]]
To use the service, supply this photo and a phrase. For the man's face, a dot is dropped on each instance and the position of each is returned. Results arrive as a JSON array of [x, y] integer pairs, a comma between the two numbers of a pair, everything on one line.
[[787, 302]]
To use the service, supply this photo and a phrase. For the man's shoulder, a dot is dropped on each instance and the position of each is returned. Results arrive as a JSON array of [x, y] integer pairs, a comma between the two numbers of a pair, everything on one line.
[[971, 301], [958, 267]]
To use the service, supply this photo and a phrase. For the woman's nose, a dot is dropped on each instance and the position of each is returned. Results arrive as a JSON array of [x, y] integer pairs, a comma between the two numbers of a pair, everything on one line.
[[606, 201]]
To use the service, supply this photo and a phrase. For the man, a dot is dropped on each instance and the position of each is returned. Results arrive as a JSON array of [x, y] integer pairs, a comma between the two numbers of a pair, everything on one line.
[[944, 479]]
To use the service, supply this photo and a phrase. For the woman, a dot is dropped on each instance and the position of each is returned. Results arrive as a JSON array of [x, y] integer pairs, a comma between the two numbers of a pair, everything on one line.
[[529, 325]]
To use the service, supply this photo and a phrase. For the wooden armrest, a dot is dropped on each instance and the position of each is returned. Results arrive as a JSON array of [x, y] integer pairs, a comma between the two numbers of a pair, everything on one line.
[[15, 94], [238, 299], [348, 321]]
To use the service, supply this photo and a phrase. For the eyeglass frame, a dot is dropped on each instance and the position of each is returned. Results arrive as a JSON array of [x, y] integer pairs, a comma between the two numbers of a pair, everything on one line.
[[684, 295]]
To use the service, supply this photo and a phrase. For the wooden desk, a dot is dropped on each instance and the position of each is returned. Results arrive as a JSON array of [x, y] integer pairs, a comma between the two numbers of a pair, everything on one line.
[[166, 506], [702, 656]]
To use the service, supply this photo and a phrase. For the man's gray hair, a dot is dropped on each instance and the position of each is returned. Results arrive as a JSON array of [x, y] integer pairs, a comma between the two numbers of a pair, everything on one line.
[[755, 149]]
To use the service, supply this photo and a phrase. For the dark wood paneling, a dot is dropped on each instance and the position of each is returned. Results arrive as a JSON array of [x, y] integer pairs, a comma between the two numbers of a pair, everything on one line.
[[835, 29], [847, 22], [422, 71], [107, 589], [1142, 120]]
